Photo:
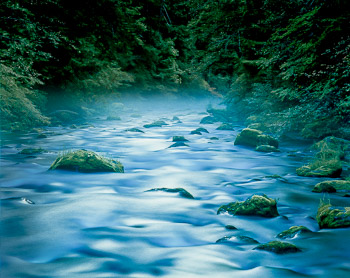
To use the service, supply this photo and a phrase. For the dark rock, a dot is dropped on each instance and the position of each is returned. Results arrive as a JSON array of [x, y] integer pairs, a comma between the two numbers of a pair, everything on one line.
[[238, 239], [179, 139], [155, 124], [134, 130], [182, 192], [226, 126], [178, 144], [230, 227], [208, 120]]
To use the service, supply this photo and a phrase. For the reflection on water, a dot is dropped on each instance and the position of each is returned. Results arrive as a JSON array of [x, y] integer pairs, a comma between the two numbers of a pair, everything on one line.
[[66, 224]]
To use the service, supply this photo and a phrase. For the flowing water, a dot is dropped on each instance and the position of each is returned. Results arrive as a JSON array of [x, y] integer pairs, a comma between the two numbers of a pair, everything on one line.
[[69, 224]]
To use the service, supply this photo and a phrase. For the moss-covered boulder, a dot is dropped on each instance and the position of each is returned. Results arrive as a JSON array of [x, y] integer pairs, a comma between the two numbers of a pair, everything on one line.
[[321, 168], [266, 149], [258, 205], [237, 240], [340, 147], [199, 131], [254, 138], [293, 232], [278, 247], [182, 192], [31, 151], [333, 217], [86, 162], [208, 120], [134, 129], [179, 139], [155, 124], [226, 126]]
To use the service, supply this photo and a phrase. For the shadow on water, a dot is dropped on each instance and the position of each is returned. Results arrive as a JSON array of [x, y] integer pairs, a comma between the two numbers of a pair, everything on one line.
[[69, 224]]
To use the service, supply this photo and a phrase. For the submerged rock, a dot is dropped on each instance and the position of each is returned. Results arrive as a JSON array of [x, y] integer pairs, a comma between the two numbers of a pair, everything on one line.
[[199, 131], [230, 227], [182, 192], [293, 232], [333, 217], [32, 151], [175, 118], [278, 247], [226, 126], [214, 138], [179, 139], [254, 138], [237, 239], [178, 144], [155, 124], [113, 118], [208, 120], [266, 149], [87, 162], [134, 129], [41, 136], [259, 205]]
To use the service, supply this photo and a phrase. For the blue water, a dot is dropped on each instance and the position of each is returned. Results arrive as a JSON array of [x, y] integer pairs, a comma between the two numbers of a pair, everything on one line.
[[68, 224]]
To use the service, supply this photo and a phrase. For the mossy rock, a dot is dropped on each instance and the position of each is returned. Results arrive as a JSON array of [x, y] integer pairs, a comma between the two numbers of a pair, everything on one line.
[[238, 239], [64, 116], [30, 151], [333, 217], [258, 205], [86, 162], [266, 149], [332, 170], [208, 120], [254, 138], [113, 118], [336, 147], [178, 144], [182, 192], [226, 126], [179, 139], [278, 247], [199, 131], [155, 124], [293, 232], [324, 187], [41, 136], [134, 129]]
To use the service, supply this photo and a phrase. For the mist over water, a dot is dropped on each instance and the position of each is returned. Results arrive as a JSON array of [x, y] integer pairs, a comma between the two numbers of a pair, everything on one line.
[[69, 224]]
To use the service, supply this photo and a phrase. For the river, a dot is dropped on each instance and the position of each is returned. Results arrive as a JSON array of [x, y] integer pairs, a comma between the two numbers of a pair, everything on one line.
[[69, 224]]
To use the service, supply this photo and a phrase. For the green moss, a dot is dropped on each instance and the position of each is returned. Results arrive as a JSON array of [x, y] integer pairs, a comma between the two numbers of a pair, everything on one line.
[[32, 151], [333, 217], [266, 149], [155, 124], [134, 130], [179, 139], [226, 126], [238, 239], [86, 161], [259, 205], [321, 168], [293, 232], [278, 247], [182, 192]]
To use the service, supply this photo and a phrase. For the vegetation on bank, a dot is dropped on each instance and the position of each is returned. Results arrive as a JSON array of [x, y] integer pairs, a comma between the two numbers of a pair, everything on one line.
[[284, 65]]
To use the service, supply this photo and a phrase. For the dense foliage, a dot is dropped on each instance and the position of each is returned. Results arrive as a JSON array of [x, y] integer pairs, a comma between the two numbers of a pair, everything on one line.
[[285, 64]]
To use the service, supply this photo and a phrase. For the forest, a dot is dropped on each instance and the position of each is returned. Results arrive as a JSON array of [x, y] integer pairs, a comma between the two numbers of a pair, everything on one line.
[[284, 64], [175, 138]]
